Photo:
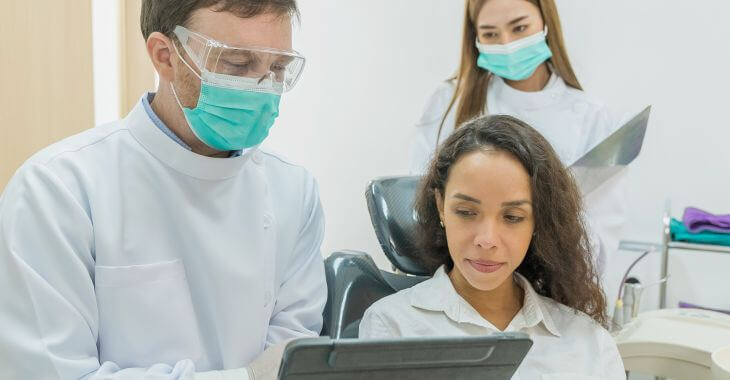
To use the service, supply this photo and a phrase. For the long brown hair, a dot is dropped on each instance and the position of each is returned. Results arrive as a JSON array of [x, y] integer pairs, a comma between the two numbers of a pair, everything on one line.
[[470, 88], [558, 263]]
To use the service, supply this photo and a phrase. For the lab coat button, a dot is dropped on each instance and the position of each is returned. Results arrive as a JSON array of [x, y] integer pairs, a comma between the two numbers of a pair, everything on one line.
[[267, 221]]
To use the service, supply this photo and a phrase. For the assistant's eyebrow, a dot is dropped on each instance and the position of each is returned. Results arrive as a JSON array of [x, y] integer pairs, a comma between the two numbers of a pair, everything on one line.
[[516, 203], [515, 21], [467, 198]]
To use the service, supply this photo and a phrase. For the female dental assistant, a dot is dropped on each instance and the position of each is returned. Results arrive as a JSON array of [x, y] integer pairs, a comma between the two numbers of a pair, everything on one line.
[[514, 62]]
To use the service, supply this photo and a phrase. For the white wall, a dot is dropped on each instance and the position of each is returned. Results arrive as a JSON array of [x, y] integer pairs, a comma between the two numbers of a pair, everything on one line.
[[105, 36]]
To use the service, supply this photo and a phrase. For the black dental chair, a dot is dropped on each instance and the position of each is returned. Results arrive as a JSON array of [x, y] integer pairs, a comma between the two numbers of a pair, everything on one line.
[[354, 282]]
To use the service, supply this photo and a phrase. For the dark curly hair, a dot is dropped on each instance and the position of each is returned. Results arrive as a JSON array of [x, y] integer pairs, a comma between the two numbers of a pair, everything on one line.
[[558, 262]]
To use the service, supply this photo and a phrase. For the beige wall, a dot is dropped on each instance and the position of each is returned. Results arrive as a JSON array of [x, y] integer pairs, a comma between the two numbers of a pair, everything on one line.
[[137, 72], [46, 90]]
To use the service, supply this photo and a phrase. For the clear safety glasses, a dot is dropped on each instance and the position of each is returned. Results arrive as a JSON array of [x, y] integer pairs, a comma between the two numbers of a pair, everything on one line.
[[238, 67]]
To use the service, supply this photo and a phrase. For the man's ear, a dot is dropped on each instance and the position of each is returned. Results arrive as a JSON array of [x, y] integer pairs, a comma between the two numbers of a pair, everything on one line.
[[161, 52]]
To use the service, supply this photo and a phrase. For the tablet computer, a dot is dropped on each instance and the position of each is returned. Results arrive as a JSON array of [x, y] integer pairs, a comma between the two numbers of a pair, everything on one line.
[[494, 356], [612, 154]]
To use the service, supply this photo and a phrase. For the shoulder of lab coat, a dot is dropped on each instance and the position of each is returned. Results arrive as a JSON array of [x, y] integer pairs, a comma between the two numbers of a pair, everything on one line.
[[423, 141], [302, 291], [599, 120], [47, 259]]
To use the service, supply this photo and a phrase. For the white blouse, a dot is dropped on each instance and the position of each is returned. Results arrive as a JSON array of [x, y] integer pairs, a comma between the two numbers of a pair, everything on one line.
[[567, 344]]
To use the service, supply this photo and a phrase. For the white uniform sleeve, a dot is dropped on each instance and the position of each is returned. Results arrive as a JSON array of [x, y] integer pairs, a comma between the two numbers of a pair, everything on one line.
[[48, 309], [302, 293], [421, 152], [606, 205], [606, 208], [423, 142]]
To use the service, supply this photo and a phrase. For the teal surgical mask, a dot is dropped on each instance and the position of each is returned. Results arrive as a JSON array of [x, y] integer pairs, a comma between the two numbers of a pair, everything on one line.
[[231, 118], [516, 60]]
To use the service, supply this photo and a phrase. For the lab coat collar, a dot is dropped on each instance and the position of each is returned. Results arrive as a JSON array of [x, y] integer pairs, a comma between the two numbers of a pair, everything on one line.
[[174, 155], [551, 94], [438, 294]]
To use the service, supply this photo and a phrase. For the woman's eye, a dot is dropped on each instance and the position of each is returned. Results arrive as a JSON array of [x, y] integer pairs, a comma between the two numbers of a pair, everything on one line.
[[465, 213], [520, 28], [489, 35], [513, 218]]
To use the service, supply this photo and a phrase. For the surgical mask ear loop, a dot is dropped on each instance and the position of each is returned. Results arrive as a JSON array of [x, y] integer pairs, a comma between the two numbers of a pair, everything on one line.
[[174, 46], [175, 94]]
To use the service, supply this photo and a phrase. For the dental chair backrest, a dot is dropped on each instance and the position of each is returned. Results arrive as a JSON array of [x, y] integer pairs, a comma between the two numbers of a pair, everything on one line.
[[354, 282]]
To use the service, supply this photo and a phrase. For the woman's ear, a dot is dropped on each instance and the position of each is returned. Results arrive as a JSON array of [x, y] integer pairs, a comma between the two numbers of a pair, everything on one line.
[[439, 203], [160, 50]]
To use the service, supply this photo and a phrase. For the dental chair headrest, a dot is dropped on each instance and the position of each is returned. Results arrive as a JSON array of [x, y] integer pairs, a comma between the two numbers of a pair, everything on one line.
[[390, 202]]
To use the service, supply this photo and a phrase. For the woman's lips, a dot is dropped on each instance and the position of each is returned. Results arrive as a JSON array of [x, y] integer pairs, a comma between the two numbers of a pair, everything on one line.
[[485, 266]]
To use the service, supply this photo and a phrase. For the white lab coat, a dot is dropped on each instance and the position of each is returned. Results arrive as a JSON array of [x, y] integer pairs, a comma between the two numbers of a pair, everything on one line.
[[572, 122], [123, 255]]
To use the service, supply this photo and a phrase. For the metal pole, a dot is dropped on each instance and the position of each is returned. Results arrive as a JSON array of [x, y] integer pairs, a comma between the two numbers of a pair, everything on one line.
[[666, 238]]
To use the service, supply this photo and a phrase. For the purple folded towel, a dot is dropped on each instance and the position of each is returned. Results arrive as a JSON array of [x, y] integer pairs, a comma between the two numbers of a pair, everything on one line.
[[697, 220], [683, 305]]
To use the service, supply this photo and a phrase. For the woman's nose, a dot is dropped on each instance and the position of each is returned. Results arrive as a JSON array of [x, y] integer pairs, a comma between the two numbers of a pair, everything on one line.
[[505, 38], [487, 236]]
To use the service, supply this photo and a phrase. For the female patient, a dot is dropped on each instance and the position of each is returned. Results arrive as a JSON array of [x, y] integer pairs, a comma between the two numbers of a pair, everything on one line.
[[502, 234]]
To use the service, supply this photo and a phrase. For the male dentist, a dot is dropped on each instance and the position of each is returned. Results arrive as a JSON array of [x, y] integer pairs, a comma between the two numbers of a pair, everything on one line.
[[167, 245]]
